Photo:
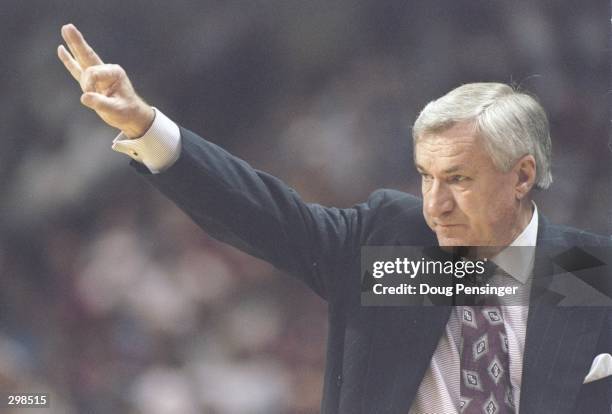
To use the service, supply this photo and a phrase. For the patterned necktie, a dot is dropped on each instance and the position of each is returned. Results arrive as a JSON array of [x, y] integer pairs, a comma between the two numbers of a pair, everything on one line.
[[485, 373]]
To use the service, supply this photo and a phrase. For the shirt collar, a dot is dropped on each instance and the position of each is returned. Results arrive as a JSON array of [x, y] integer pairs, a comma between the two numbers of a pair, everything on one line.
[[517, 260]]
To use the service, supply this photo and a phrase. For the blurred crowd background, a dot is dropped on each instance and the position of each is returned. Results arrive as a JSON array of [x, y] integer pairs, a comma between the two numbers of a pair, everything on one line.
[[114, 302]]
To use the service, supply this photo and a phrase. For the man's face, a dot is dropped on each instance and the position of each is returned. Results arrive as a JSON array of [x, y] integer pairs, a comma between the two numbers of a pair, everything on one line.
[[467, 200]]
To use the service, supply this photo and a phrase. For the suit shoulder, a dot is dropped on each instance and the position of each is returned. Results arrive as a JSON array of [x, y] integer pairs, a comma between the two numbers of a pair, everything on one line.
[[571, 236], [393, 199], [393, 215]]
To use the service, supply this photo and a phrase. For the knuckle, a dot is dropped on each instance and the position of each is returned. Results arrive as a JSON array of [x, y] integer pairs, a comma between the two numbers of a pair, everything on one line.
[[84, 79], [90, 72], [118, 69]]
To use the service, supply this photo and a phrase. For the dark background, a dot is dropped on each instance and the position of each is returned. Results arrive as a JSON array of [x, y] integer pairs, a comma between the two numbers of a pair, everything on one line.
[[113, 301]]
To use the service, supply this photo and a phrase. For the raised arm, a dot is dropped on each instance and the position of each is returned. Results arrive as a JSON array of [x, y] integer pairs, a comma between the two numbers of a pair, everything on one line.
[[261, 215], [225, 196]]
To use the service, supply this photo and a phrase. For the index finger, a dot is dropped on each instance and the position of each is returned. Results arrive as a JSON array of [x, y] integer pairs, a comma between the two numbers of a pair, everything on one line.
[[69, 62], [82, 52]]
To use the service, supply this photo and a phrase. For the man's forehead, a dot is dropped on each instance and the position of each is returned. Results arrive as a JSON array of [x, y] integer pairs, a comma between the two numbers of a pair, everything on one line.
[[446, 146], [455, 149], [447, 149]]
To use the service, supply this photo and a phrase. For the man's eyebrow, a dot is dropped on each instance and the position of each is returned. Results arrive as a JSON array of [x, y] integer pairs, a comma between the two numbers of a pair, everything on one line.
[[449, 170], [453, 169]]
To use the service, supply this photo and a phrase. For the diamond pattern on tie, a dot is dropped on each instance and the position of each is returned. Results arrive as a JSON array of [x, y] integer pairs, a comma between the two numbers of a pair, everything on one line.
[[490, 405], [468, 317], [471, 379], [493, 315], [495, 370], [485, 377], [480, 347], [463, 403]]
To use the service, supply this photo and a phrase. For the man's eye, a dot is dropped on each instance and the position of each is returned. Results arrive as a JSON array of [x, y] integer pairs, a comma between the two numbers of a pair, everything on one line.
[[458, 178], [425, 177]]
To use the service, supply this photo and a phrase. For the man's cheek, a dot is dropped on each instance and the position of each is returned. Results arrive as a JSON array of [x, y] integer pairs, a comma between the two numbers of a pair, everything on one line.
[[427, 218]]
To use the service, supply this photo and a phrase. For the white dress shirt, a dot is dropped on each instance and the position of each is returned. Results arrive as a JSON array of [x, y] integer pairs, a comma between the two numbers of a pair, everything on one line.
[[158, 148]]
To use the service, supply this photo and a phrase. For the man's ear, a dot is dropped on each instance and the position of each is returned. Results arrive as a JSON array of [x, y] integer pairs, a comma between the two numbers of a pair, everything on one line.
[[525, 169]]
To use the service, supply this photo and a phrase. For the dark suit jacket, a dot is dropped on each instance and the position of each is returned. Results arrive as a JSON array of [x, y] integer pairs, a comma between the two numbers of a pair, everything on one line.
[[377, 356]]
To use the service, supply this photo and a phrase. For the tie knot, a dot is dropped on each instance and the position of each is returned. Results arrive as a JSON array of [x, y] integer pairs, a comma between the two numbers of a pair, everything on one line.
[[480, 280], [490, 270]]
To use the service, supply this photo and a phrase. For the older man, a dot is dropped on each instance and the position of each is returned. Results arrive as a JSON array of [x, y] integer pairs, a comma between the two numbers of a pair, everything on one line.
[[480, 150]]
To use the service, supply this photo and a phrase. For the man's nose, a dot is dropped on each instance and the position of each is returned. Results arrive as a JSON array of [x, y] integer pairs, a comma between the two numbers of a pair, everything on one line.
[[438, 200]]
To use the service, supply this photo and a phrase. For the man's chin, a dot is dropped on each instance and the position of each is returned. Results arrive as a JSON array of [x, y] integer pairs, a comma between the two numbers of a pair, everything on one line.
[[446, 241]]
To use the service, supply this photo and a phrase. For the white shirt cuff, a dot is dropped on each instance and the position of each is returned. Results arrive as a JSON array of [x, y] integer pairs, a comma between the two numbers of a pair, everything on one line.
[[157, 149]]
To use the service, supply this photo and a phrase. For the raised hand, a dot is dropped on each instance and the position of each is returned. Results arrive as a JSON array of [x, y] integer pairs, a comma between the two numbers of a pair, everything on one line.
[[106, 87]]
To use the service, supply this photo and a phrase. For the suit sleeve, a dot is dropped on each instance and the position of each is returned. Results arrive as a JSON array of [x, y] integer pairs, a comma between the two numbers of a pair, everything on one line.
[[259, 214]]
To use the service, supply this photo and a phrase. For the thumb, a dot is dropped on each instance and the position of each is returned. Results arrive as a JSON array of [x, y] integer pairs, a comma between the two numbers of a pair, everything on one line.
[[97, 101]]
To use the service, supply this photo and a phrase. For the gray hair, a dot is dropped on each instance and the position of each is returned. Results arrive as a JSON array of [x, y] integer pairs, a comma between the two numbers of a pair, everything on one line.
[[512, 124]]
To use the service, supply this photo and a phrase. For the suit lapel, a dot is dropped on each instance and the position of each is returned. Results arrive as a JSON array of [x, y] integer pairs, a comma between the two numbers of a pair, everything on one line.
[[404, 341], [559, 346], [560, 341]]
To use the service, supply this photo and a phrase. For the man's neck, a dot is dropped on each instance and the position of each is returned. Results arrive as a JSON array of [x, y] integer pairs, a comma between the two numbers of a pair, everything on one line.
[[525, 214], [523, 218]]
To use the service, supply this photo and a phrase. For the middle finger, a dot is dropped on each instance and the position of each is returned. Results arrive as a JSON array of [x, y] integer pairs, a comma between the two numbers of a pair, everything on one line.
[[82, 52]]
